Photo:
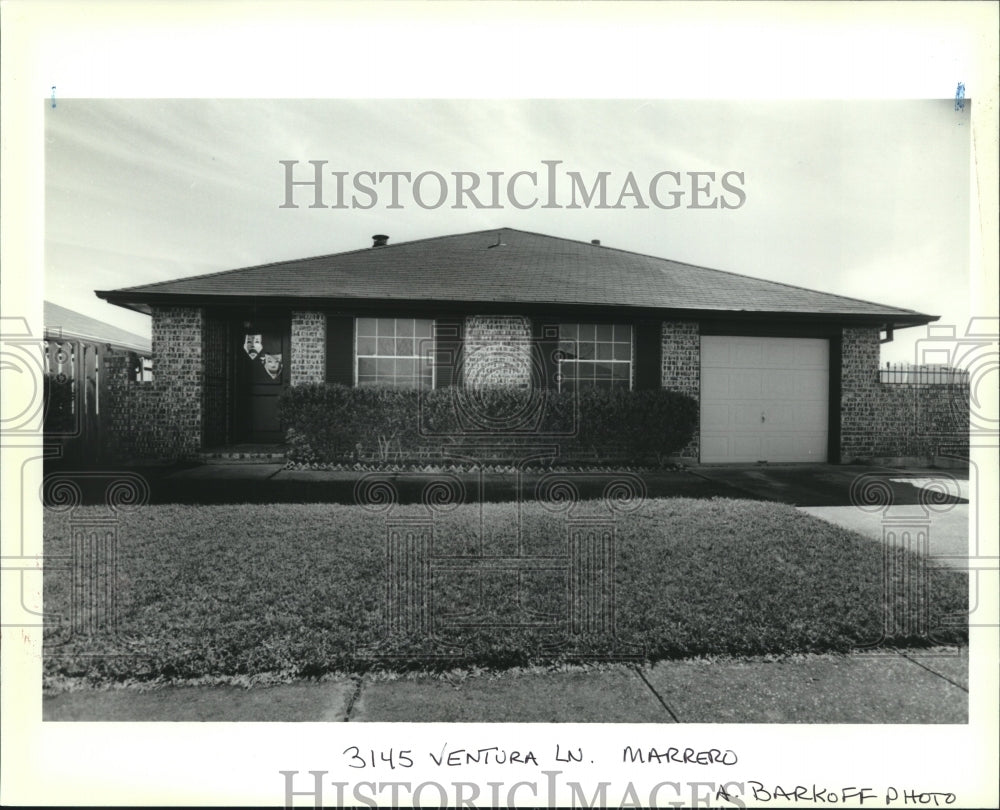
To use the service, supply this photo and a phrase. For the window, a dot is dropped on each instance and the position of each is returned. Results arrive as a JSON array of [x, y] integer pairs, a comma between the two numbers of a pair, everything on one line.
[[395, 351], [595, 356]]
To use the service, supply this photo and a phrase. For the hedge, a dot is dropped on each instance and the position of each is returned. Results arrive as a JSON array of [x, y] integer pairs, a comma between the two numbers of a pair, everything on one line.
[[329, 423]]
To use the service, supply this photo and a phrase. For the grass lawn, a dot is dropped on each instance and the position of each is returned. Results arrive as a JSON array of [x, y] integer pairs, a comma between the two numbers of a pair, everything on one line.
[[299, 590]]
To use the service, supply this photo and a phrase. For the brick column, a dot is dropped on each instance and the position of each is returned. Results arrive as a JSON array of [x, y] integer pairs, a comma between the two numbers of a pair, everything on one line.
[[308, 361], [681, 358], [497, 351]]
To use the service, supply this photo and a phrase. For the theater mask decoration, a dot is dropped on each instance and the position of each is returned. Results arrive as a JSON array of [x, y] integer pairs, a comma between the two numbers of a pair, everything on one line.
[[272, 365], [254, 345]]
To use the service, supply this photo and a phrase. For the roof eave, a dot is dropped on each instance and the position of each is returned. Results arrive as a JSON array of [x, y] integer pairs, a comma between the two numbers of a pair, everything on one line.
[[144, 302]]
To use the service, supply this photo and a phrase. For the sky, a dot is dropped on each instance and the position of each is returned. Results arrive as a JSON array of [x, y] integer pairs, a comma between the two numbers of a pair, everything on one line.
[[863, 198]]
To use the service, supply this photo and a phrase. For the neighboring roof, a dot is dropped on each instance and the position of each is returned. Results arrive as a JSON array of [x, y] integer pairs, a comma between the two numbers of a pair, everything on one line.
[[524, 267], [65, 324]]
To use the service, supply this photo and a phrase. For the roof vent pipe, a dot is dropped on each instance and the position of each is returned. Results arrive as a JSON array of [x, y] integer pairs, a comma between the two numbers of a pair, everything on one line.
[[595, 241], [379, 240]]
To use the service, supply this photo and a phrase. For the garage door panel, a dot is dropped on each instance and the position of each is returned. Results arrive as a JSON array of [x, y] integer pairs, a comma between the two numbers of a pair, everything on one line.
[[813, 355], [715, 355], [715, 385], [715, 446], [810, 414], [745, 385], [747, 354], [746, 447], [778, 355], [780, 384], [785, 380], [795, 448], [715, 416]]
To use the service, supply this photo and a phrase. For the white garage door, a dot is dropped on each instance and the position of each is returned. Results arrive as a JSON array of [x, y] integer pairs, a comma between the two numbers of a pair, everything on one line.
[[764, 399]]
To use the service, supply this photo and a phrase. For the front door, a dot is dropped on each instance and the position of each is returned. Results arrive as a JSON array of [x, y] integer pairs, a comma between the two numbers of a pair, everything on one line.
[[262, 358]]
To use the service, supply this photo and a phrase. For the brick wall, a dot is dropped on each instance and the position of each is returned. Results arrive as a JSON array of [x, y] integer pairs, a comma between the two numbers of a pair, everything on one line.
[[308, 361], [497, 351], [881, 420], [218, 382], [681, 368], [162, 418]]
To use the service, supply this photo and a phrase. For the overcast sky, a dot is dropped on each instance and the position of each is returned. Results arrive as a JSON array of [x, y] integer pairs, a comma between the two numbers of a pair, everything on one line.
[[868, 199]]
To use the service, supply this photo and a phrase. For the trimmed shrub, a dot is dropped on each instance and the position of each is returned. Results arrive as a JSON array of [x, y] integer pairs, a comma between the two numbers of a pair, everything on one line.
[[636, 424], [335, 423], [58, 417]]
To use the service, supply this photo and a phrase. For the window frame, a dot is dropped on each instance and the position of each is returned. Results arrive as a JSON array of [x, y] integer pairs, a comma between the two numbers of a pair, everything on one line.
[[431, 359], [577, 360]]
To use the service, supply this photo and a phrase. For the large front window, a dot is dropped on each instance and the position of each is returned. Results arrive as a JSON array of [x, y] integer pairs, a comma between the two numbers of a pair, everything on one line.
[[595, 356], [395, 351]]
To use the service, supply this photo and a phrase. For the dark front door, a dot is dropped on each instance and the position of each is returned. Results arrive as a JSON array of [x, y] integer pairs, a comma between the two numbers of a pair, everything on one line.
[[262, 358]]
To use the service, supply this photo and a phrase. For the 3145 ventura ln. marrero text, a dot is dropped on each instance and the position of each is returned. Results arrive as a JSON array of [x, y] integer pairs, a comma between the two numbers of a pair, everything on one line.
[[311, 184]]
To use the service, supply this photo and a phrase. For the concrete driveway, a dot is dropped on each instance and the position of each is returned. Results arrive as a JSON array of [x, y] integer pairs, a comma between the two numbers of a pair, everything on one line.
[[878, 502]]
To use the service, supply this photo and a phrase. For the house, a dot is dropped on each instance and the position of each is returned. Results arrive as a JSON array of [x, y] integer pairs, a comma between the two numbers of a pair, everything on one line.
[[62, 324], [782, 373]]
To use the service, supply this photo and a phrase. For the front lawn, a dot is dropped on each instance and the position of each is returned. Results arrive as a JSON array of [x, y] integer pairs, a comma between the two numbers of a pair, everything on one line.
[[299, 590]]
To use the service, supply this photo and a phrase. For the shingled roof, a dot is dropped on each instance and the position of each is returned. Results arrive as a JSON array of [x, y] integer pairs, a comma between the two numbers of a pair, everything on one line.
[[67, 324], [507, 266]]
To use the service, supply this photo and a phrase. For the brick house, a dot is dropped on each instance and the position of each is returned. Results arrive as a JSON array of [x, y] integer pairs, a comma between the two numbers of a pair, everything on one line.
[[782, 373]]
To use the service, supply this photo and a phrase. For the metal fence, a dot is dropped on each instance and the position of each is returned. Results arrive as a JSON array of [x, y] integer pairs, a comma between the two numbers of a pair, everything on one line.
[[906, 374]]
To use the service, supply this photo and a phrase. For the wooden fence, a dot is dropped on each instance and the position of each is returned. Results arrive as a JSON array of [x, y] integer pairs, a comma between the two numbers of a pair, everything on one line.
[[76, 394]]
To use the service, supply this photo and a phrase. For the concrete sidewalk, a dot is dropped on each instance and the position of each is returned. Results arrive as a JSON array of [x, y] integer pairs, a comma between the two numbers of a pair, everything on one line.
[[918, 686]]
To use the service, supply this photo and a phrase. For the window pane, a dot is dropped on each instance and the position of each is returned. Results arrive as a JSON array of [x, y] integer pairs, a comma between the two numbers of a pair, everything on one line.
[[623, 333], [602, 371], [586, 331], [395, 352], [623, 351], [620, 371], [605, 331], [568, 330], [585, 350], [604, 351]]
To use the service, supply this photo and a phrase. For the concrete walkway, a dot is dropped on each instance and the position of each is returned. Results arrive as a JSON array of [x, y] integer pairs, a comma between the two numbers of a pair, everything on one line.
[[926, 686], [947, 525]]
